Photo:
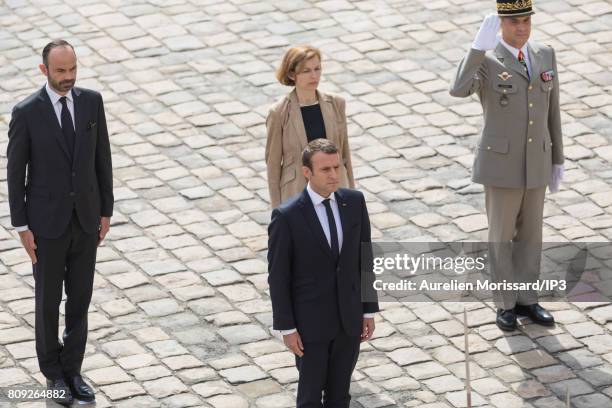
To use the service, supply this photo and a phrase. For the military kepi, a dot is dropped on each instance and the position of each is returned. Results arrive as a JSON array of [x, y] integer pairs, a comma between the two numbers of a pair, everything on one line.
[[513, 8]]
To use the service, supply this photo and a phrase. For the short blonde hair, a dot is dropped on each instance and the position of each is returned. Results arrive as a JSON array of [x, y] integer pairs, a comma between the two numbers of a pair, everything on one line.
[[293, 62]]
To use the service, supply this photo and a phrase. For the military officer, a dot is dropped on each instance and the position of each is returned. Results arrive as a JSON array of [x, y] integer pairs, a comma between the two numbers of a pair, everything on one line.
[[520, 150]]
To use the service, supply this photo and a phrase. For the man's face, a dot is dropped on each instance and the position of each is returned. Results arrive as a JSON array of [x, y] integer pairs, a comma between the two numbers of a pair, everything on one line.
[[516, 30], [61, 70], [325, 175]]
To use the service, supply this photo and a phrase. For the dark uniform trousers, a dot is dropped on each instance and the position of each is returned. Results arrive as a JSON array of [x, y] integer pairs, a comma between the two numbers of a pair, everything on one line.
[[68, 260]]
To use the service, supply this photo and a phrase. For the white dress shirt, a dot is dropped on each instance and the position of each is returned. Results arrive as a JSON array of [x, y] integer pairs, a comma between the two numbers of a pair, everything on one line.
[[515, 52], [57, 107], [317, 201], [319, 207]]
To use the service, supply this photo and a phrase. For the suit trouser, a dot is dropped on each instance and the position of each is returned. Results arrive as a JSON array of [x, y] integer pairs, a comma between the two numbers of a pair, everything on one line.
[[69, 260], [515, 240], [325, 372]]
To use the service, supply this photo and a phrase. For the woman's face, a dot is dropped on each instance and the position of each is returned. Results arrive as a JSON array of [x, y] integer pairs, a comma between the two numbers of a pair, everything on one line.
[[309, 77]]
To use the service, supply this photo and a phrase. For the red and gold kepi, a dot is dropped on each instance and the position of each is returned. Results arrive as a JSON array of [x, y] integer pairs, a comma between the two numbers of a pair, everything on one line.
[[513, 8]]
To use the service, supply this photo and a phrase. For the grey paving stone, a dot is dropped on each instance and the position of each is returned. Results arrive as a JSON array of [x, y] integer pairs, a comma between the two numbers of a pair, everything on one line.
[[123, 390], [164, 387], [242, 333], [238, 375]]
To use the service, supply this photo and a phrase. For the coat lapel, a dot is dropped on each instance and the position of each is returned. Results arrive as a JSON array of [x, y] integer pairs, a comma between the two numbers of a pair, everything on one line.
[[312, 220], [79, 120], [296, 119], [49, 113], [343, 209], [535, 58], [329, 117], [509, 60]]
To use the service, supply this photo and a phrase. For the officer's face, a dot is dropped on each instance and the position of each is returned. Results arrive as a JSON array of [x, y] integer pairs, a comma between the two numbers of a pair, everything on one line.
[[325, 174], [516, 30], [61, 69]]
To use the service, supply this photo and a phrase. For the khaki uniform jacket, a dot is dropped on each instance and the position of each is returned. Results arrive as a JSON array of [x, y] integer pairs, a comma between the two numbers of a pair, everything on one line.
[[521, 137], [287, 138]]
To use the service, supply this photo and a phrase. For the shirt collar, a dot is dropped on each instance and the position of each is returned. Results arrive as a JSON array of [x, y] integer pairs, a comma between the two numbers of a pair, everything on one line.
[[54, 96], [316, 198], [515, 51]]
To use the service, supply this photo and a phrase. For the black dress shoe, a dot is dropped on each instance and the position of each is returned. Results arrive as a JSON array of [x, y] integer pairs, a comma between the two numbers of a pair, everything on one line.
[[536, 313], [80, 389], [506, 319], [60, 392]]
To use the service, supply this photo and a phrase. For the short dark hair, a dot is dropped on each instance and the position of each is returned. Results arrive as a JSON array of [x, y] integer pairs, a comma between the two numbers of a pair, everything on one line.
[[53, 44], [317, 145]]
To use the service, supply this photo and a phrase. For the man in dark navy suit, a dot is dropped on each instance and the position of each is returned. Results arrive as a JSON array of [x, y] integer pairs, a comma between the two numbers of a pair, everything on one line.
[[315, 248], [60, 188]]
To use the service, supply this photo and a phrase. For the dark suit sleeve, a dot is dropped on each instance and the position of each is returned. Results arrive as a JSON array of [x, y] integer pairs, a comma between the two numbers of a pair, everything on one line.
[[18, 154], [366, 263], [279, 272], [104, 166]]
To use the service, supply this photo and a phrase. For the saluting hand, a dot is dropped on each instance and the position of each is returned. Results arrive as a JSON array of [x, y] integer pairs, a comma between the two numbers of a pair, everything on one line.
[[27, 240], [488, 35], [293, 342]]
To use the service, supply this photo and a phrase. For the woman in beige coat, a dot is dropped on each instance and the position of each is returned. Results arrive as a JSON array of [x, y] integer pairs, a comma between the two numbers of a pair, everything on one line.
[[303, 115]]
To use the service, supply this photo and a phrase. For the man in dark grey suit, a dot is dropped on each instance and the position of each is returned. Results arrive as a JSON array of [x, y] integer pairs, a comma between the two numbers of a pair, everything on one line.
[[521, 148], [319, 256], [60, 187]]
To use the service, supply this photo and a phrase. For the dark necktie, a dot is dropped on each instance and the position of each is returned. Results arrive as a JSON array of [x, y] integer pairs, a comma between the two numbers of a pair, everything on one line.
[[333, 232], [521, 59], [67, 126]]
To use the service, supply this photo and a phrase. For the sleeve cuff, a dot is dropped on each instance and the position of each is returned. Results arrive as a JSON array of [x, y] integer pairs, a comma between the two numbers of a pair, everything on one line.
[[287, 332], [369, 315], [22, 228]]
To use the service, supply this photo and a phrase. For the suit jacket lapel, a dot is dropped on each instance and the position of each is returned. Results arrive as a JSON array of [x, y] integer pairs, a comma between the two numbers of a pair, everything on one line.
[[509, 60], [535, 58], [329, 117], [79, 120], [343, 209], [49, 113], [296, 119], [312, 220]]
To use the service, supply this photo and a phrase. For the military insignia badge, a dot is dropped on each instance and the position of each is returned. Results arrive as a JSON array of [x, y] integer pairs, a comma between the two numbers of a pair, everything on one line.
[[547, 75], [504, 76], [503, 101]]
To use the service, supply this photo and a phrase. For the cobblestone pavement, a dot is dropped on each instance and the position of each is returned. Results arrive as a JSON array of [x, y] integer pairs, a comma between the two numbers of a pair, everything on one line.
[[181, 314]]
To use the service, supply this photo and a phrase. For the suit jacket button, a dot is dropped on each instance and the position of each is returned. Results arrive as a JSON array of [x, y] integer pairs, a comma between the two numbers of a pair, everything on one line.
[[73, 173], [72, 194]]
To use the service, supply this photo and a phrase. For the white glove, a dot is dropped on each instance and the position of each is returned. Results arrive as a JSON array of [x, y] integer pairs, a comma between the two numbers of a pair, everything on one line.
[[488, 35], [556, 178]]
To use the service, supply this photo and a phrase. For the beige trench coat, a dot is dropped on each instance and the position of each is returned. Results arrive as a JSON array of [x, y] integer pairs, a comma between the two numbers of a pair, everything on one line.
[[287, 138]]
